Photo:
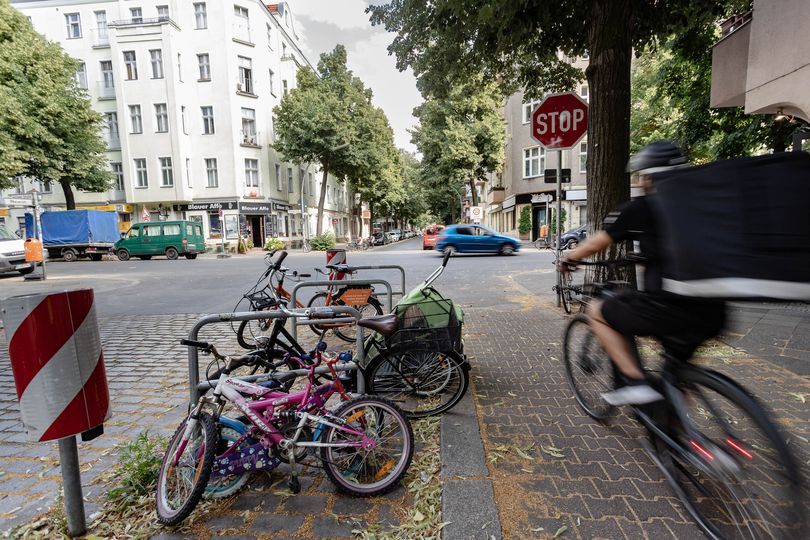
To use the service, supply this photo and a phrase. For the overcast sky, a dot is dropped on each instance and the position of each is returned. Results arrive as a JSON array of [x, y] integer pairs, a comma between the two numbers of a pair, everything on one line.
[[322, 24]]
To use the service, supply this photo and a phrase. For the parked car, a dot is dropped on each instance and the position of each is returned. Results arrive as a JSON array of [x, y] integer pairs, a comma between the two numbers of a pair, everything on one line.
[[465, 238], [169, 238], [395, 235], [379, 239], [12, 253], [429, 236], [571, 238]]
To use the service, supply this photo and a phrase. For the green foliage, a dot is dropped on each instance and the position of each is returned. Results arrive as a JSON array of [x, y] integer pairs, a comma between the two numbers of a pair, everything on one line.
[[322, 242], [138, 466], [48, 130], [274, 243], [552, 225], [525, 223]]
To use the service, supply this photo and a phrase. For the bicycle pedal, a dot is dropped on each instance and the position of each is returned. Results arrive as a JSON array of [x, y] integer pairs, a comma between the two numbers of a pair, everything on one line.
[[294, 485]]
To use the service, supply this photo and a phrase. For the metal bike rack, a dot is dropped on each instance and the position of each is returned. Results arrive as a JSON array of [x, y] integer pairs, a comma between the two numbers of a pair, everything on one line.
[[195, 386], [336, 283], [401, 291]]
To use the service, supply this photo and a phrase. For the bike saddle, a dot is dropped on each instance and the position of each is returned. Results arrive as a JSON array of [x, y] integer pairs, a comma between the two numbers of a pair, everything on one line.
[[382, 324], [345, 268]]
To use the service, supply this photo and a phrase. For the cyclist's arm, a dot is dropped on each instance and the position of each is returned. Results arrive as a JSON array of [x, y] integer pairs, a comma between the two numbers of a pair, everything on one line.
[[599, 241]]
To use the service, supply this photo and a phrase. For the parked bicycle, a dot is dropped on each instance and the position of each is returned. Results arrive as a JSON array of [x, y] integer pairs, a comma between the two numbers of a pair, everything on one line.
[[365, 443], [565, 288], [715, 443], [267, 294], [358, 244]]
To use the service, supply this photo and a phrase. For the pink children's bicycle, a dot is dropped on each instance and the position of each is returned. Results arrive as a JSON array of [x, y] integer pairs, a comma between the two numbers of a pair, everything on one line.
[[365, 443]]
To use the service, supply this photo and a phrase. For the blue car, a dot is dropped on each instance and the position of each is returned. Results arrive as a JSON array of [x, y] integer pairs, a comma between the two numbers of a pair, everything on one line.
[[464, 238]]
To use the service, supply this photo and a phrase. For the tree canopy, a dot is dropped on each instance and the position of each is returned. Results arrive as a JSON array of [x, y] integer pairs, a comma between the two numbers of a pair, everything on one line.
[[525, 44], [329, 119], [48, 130], [460, 135]]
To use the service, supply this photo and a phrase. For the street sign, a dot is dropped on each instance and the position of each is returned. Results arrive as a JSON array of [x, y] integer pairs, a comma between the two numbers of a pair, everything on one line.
[[560, 121], [542, 198], [550, 176], [476, 213], [19, 201]]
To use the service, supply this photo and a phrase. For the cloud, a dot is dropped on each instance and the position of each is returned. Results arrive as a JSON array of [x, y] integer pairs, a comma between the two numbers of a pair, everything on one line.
[[345, 14]]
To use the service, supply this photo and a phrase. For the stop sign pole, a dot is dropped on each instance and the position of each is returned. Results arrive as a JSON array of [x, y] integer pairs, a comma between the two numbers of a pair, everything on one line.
[[558, 123]]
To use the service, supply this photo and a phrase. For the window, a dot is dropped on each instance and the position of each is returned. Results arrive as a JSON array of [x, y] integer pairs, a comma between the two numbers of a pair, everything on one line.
[[183, 118], [200, 16], [112, 126], [74, 25], [81, 76], [134, 232], [130, 65], [166, 174], [162, 116], [118, 171], [188, 172], [208, 120], [583, 92], [163, 13], [101, 26], [248, 126], [269, 36], [583, 157], [136, 14], [290, 183], [303, 184], [107, 75], [534, 162], [179, 68], [528, 109], [211, 172], [241, 13], [245, 75], [151, 230], [46, 186], [311, 185], [205, 66], [157, 63], [252, 172], [141, 178], [242, 26], [135, 118], [284, 90], [272, 84], [172, 229], [278, 177]]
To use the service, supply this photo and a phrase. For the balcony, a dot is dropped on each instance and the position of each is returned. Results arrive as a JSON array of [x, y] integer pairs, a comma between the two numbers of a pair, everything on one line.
[[241, 33], [100, 37], [141, 21], [106, 90], [250, 139]]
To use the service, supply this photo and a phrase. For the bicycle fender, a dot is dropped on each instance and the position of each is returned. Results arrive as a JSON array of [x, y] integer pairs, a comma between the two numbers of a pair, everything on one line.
[[235, 425]]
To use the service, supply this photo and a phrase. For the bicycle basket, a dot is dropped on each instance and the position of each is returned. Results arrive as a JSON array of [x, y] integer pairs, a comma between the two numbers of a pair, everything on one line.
[[260, 300], [430, 325]]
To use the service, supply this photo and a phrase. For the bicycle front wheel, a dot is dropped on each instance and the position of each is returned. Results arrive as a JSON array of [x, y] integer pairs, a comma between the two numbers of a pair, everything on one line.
[[420, 383], [751, 486], [185, 470], [371, 463], [250, 331], [588, 368], [564, 282]]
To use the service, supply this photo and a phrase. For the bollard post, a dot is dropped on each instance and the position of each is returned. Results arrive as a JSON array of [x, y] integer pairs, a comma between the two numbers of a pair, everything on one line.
[[71, 478]]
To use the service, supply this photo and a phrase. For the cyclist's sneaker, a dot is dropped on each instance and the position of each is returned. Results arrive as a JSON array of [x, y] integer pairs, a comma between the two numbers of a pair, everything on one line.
[[633, 393]]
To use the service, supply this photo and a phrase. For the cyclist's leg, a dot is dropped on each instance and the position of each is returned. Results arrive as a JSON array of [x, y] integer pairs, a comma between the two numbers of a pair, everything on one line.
[[615, 344]]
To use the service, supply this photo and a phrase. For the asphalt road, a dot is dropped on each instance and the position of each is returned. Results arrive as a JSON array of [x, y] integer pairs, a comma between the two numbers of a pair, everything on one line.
[[211, 285]]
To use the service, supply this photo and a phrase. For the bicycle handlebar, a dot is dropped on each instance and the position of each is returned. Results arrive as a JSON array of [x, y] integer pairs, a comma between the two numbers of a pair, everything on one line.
[[198, 344]]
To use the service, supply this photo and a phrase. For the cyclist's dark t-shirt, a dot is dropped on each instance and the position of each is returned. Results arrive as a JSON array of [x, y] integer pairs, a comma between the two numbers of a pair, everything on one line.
[[634, 220]]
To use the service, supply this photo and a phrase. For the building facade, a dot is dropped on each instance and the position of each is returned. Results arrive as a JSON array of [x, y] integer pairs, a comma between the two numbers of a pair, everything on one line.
[[522, 182], [187, 90]]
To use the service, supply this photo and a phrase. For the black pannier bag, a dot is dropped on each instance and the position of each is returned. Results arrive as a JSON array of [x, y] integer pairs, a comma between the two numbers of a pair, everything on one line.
[[736, 229]]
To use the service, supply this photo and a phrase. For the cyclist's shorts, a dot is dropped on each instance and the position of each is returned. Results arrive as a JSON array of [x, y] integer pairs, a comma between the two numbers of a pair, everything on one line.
[[687, 321]]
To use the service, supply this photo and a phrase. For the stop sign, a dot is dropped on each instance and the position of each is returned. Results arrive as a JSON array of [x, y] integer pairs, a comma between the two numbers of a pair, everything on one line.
[[560, 121]]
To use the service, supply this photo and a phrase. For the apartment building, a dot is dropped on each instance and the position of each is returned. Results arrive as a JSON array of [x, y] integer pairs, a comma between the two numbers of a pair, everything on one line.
[[187, 90], [522, 182]]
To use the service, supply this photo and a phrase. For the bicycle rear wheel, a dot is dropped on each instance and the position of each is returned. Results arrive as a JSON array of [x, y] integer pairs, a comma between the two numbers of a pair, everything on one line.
[[348, 332], [588, 368], [250, 331], [751, 485], [182, 479], [420, 383], [564, 282], [362, 470]]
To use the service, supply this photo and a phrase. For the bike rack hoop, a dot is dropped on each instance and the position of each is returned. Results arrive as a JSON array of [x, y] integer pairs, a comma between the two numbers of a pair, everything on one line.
[[400, 292]]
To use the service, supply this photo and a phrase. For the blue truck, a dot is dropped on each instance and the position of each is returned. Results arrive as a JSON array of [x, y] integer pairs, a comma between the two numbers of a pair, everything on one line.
[[72, 234]]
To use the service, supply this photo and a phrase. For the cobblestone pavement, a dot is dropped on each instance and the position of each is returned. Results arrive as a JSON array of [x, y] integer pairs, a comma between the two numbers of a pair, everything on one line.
[[604, 486], [147, 370]]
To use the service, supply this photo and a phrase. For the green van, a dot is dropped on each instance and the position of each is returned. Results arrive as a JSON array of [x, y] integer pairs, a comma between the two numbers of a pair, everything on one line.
[[169, 238]]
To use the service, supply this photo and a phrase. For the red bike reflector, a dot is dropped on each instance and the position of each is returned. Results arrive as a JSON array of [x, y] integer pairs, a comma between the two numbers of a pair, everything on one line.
[[738, 447], [702, 451]]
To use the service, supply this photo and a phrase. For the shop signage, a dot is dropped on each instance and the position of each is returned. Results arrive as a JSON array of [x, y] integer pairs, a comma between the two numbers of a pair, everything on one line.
[[550, 176], [207, 206], [281, 207], [256, 207], [538, 198], [576, 195], [509, 202]]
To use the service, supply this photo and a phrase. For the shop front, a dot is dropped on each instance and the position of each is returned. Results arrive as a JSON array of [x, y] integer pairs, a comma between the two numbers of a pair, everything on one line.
[[280, 221], [207, 214], [255, 220]]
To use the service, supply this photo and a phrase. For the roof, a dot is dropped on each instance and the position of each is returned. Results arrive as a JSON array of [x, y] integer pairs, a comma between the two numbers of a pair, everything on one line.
[[272, 8]]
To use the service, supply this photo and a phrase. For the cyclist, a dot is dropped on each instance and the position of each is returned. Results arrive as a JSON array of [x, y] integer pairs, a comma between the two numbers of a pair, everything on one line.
[[651, 312]]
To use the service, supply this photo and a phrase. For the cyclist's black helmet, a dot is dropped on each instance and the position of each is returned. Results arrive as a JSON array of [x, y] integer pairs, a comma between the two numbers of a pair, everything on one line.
[[655, 157]]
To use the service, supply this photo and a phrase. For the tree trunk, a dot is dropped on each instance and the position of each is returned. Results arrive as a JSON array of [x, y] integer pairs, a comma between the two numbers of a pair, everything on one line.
[[321, 199], [609, 30], [473, 192], [70, 201]]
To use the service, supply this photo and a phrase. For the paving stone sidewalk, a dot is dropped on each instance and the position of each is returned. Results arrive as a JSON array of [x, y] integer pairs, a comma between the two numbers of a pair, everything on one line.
[[604, 486], [147, 370]]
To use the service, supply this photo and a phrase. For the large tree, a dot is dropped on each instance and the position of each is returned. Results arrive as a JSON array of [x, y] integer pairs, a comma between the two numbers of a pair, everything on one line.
[[329, 119], [48, 131], [522, 43], [461, 135]]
